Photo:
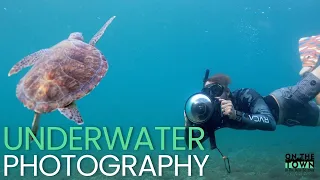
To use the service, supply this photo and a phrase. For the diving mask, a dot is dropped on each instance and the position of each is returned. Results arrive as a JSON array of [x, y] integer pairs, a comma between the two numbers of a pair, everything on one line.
[[213, 90]]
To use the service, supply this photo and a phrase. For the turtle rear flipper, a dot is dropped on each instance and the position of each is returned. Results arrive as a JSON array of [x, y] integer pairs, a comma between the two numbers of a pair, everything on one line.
[[98, 35], [71, 112], [28, 61]]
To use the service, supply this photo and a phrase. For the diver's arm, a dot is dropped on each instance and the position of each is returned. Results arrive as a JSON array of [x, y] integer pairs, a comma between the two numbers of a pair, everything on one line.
[[260, 117], [195, 134]]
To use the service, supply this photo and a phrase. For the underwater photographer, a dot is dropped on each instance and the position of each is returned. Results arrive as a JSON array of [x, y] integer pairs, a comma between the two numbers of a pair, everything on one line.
[[215, 107]]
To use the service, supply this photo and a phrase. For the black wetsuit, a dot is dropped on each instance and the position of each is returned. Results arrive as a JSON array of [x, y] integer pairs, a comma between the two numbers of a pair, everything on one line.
[[293, 106], [252, 114]]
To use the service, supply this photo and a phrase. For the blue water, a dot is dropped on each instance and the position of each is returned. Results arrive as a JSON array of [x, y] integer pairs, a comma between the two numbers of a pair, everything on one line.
[[158, 52]]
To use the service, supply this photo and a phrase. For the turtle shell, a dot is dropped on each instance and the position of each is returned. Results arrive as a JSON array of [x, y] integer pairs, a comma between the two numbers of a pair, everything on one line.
[[71, 71]]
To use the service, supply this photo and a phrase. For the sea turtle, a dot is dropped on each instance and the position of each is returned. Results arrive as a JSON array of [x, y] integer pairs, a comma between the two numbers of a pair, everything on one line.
[[60, 75]]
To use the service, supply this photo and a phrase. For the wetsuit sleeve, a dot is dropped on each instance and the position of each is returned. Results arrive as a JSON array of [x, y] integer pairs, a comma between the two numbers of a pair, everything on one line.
[[195, 134], [259, 117]]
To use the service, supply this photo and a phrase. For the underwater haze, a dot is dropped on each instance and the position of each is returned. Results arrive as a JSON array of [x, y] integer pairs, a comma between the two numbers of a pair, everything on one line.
[[158, 51]]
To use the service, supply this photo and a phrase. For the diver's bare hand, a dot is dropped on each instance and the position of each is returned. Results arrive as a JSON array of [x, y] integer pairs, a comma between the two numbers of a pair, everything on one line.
[[227, 108]]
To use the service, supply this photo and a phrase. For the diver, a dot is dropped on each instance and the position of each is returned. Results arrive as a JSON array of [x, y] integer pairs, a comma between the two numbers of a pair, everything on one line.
[[247, 109], [217, 107]]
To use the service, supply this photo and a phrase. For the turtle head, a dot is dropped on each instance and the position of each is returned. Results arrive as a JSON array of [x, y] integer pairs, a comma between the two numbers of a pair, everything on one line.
[[76, 35]]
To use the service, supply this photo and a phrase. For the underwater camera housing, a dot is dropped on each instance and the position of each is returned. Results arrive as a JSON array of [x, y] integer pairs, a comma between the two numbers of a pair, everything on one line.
[[203, 106]]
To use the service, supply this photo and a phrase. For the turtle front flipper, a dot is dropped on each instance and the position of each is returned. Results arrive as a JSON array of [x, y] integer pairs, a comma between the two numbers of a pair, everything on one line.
[[28, 61], [71, 112], [98, 35], [35, 125]]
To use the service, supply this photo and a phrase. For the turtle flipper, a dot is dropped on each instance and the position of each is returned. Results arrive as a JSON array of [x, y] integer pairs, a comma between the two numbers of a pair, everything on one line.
[[98, 35], [35, 125], [28, 61], [71, 112]]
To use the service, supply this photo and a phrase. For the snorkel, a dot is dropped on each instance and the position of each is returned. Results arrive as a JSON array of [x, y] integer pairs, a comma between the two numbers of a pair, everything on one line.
[[206, 76]]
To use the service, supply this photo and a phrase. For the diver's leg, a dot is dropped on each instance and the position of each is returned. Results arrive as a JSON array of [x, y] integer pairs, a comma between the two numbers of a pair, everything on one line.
[[308, 88], [316, 72], [279, 104], [291, 112], [306, 115]]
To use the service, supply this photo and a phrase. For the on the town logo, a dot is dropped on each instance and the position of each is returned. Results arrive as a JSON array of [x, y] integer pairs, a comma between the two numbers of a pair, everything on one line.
[[303, 162]]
